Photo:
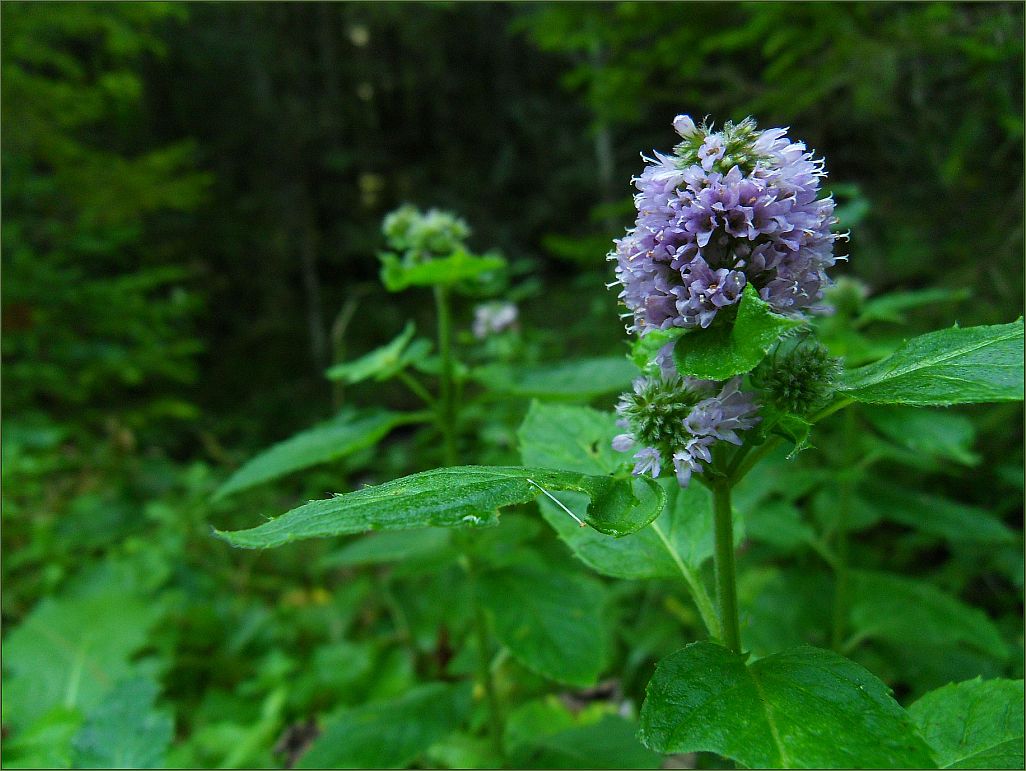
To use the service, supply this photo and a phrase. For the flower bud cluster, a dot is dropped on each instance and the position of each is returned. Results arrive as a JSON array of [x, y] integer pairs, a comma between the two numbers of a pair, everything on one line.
[[674, 420], [419, 236], [798, 376], [726, 209]]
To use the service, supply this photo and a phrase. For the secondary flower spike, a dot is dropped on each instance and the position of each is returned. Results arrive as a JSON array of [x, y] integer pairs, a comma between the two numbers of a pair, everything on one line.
[[726, 209], [675, 420]]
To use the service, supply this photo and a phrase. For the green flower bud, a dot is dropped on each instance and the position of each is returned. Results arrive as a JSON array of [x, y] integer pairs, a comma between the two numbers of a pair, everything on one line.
[[798, 376]]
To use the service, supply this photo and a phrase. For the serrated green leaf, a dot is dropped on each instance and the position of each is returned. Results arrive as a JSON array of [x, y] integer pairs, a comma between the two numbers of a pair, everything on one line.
[[803, 708], [443, 271], [906, 612], [351, 431], [125, 730], [726, 349], [939, 434], [579, 439], [390, 734], [551, 620], [380, 363], [950, 366], [462, 496], [609, 743], [577, 380], [70, 650], [974, 724]]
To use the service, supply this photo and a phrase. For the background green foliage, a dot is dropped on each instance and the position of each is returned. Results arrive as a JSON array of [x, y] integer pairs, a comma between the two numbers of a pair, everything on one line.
[[192, 200]]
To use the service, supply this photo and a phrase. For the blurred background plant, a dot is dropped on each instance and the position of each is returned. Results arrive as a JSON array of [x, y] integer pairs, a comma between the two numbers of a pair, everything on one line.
[[193, 198]]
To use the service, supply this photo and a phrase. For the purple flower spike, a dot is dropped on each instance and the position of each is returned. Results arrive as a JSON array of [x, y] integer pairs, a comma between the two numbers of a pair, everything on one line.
[[728, 208]]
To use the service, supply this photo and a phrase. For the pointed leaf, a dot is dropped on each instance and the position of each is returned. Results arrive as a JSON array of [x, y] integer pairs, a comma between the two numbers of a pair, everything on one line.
[[349, 432], [727, 349], [462, 496], [975, 724], [891, 307], [380, 363], [956, 522], [950, 366], [803, 708]]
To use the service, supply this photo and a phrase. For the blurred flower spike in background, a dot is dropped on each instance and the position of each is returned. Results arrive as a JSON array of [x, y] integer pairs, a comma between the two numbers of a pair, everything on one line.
[[421, 236], [494, 317]]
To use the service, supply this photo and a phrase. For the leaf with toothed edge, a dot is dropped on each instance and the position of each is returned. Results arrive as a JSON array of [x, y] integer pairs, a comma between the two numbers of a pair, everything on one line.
[[727, 349], [461, 496], [949, 366]]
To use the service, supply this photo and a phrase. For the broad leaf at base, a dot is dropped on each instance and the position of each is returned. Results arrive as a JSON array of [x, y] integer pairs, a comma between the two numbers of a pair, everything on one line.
[[803, 708]]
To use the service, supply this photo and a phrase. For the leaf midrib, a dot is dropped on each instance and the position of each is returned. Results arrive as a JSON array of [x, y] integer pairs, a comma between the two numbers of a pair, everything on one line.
[[915, 366]]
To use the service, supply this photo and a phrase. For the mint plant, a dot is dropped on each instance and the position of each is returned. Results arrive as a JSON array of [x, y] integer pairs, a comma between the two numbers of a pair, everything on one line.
[[741, 351]]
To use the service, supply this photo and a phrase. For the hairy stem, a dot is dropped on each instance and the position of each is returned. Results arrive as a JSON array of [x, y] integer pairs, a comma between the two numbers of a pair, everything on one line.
[[726, 580], [446, 404]]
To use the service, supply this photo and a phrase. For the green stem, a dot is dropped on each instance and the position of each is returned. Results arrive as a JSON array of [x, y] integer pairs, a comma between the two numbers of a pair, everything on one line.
[[414, 385], [726, 581], [699, 595], [830, 409], [484, 674], [841, 581], [742, 465], [446, 404]]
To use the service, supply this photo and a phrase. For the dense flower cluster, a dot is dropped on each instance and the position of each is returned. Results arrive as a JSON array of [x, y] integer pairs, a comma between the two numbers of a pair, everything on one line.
[[728, 208], [670, 419]]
